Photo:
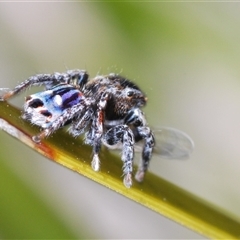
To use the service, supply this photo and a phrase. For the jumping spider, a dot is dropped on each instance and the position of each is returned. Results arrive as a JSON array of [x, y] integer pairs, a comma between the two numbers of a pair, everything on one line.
[[107, 108]]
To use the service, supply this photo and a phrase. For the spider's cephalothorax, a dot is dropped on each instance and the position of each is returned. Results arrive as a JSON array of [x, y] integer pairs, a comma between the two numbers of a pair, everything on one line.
[[107, 108]]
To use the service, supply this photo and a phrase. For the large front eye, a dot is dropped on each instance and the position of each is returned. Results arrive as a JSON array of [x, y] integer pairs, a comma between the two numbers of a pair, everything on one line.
[[130, 93]]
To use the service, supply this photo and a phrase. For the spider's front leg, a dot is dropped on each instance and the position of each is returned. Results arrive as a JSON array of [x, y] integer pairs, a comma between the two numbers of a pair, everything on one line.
[[122, 133], [48, 80], [136, 118], [95, 133], [149, 142]]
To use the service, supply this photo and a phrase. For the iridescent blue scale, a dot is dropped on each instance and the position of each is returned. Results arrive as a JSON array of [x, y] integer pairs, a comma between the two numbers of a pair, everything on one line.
[[48, 105], [70, 96]]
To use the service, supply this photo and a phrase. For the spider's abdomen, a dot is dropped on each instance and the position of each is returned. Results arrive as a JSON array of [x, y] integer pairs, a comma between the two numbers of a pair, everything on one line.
[[45, 107]]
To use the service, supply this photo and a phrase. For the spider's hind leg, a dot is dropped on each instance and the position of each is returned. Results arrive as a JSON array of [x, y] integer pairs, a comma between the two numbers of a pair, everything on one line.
[[65, 116], [48, 80], [81, 123]]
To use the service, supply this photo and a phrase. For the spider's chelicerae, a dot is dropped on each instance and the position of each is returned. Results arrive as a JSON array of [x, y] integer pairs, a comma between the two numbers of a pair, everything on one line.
[[107, 108]]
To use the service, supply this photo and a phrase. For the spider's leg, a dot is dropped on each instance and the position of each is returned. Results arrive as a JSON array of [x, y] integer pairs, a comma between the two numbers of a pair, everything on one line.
[[124, 134], [136, 118], [78, 126], [67, 114], [96, 130], [48, 80], [146, 134]]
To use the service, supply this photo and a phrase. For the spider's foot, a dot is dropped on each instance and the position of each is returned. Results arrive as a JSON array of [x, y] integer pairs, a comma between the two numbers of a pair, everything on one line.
[[5, 93], [140, 175], [127, 181], [95, 163], [36, 139], [40, 136]]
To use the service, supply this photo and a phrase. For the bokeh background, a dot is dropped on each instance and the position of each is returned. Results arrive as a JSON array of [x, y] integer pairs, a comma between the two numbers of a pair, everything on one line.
[[186, 57]]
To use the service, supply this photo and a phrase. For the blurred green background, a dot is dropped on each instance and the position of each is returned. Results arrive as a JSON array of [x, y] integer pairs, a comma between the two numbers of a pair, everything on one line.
[[185, 56]]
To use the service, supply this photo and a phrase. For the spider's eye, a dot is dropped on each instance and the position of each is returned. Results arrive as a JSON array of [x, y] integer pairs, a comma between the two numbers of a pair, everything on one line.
[[130, 93]]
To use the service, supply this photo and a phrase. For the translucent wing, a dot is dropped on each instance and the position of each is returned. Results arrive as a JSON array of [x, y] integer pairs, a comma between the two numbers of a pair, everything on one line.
[[172, 143]]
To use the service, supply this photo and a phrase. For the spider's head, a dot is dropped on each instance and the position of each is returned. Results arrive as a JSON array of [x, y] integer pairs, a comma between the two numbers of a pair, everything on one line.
[[127, 95], [132, 93], [131, 98], [137, 96]]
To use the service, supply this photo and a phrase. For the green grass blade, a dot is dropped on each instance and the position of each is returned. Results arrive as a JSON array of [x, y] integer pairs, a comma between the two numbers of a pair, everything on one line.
[[154, 193], [24, 215]]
